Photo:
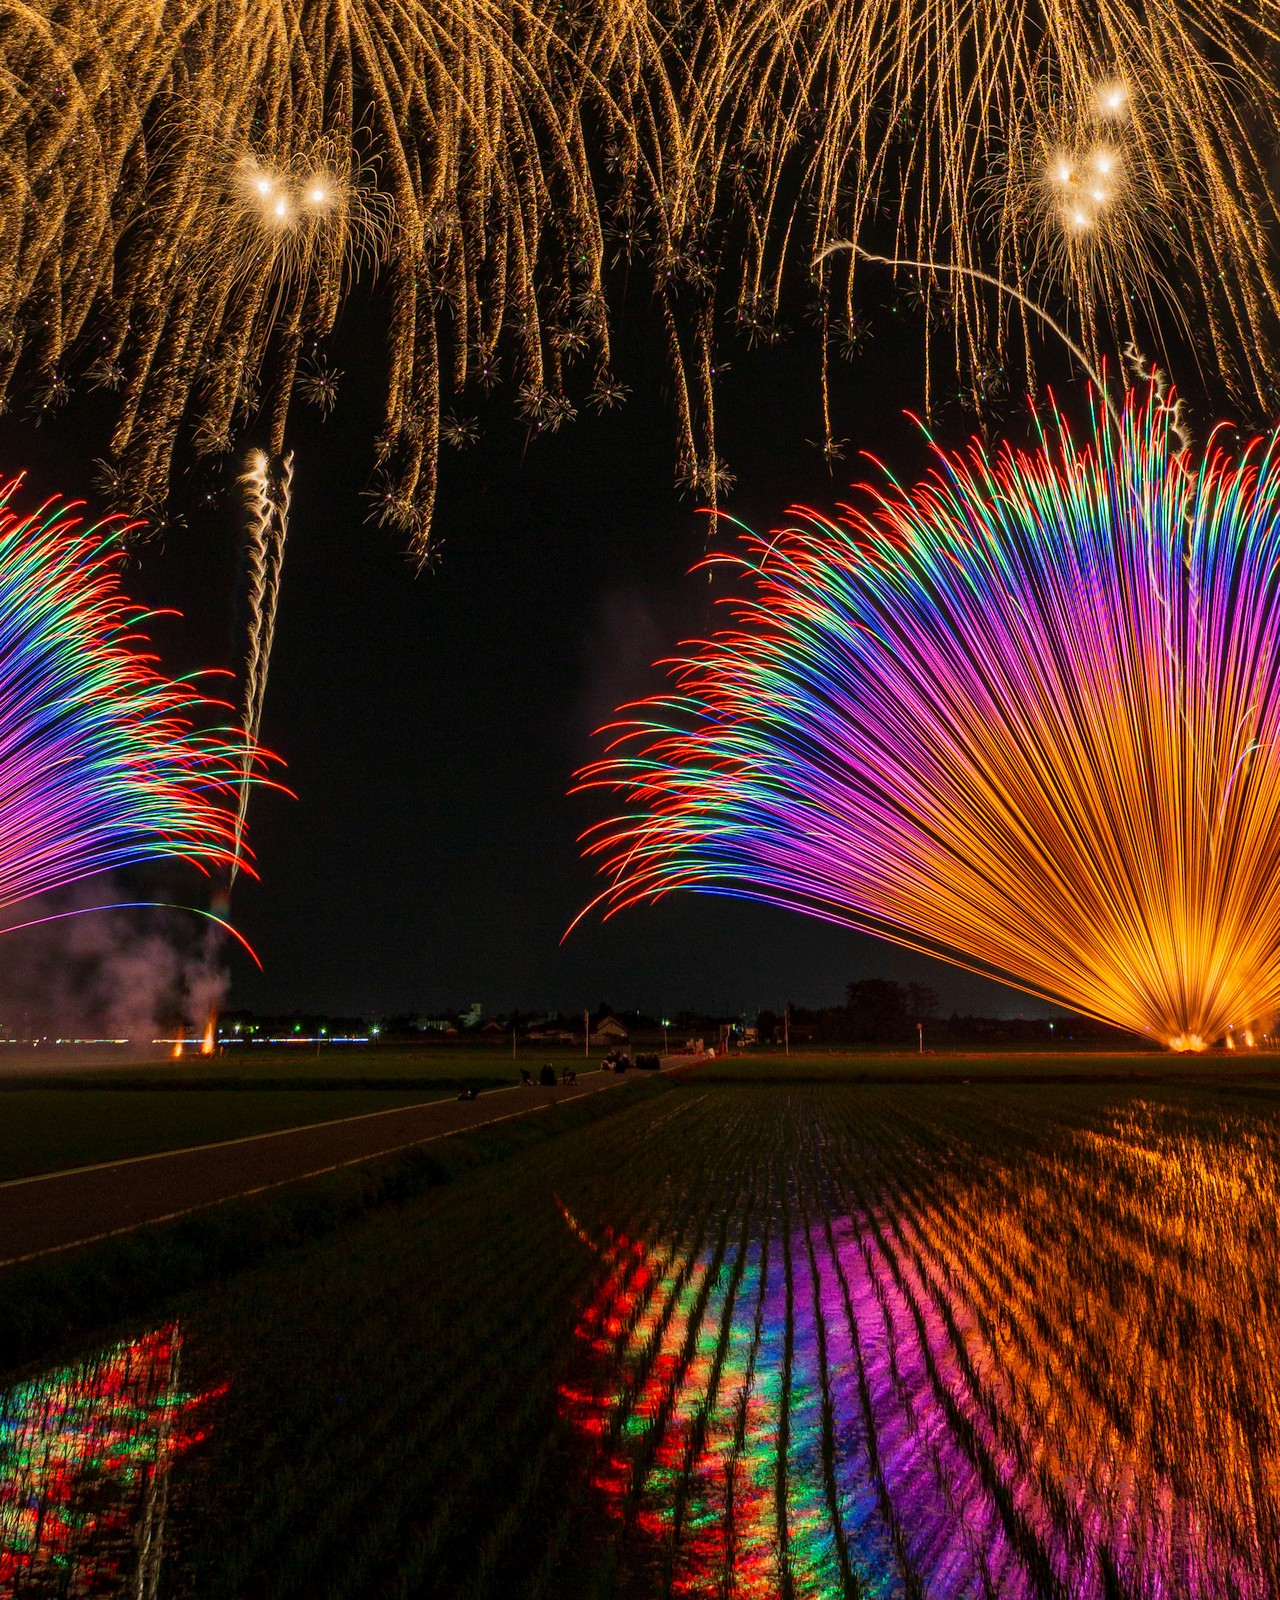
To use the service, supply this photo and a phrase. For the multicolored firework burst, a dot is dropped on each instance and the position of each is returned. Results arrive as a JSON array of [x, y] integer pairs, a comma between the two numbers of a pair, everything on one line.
[[1025, 716], [100, 763]]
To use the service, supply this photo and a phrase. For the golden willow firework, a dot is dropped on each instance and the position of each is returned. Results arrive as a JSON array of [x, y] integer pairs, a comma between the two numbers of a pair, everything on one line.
[[1025, 716], [186, 193], [186, 196]]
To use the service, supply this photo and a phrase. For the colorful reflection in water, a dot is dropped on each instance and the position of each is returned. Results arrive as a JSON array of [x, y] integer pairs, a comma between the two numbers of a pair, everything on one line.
[[915, 1399], [85, 1453]]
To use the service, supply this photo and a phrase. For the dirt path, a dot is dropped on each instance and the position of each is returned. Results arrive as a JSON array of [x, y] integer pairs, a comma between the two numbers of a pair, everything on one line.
[[55, 1211]]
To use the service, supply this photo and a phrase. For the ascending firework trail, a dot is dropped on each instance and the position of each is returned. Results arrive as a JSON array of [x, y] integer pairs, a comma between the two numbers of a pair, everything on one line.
[[268, 491]]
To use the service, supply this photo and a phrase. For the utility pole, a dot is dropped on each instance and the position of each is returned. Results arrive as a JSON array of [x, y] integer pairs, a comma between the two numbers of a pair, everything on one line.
[[920, 1031], [786, 1029], [586, 1033], [513, 1041]]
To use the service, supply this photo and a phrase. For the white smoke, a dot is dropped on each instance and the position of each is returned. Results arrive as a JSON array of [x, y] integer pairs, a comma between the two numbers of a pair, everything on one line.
[[121, 974]]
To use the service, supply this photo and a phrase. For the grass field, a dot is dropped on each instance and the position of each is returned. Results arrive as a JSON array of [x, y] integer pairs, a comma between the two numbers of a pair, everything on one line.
[[45, 1130], [909, 1066], [744, 1340], [450, 1066], [65, 1117], [348, 1066], [72, 1117]]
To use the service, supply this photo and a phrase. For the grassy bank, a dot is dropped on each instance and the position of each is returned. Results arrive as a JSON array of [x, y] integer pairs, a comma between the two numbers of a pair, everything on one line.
[[59, 1116], [46, 1130], [50, 1305]]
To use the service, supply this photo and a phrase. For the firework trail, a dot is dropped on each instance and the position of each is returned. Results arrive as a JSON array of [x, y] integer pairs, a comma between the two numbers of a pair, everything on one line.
[[1025, 716], [268, 498], [101, 765], [238, 165], [1133, 356]]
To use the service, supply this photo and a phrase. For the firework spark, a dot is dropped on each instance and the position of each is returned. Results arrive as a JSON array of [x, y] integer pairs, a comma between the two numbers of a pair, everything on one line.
[[187, 193], [100, 765], [1025, 716]]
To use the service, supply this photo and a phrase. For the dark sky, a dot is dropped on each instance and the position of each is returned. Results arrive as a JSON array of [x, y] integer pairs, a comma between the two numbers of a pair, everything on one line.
[[432, 725]]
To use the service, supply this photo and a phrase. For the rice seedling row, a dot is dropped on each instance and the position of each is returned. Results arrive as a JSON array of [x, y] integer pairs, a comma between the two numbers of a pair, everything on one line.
[[754, 1340]]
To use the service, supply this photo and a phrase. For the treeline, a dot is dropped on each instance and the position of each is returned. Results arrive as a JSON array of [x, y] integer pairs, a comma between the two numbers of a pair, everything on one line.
[[876, 1011], [880, 1011]]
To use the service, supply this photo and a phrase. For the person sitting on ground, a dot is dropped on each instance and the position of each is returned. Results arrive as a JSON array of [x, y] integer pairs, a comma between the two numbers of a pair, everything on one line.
[[525, 1078], [547, 1077]]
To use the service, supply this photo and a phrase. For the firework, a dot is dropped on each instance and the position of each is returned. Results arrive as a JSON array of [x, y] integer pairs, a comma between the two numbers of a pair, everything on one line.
[[187, 194], [1090, 153], [928, 130], [1025, 716], [207, 185], [268, 496], [100, 764]]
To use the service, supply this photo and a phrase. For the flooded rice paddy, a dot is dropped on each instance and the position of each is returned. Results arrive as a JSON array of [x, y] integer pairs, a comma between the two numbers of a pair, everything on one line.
[[87, 1451], [739, 1341]]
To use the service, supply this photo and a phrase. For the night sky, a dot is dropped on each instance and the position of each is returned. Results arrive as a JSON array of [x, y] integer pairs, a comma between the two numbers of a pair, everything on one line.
[[431, 725]]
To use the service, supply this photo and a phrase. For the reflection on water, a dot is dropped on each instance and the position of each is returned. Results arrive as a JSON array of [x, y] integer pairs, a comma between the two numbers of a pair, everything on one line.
[[1060, 1380], [85, 1453]]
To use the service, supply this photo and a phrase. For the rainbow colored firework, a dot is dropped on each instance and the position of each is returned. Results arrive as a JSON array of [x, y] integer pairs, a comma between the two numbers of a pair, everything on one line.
[[100, 764], [1024, 716]]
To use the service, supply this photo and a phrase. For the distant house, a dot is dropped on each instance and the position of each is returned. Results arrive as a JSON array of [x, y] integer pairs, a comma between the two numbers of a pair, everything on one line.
[[609, 1031], [494, 1029]]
